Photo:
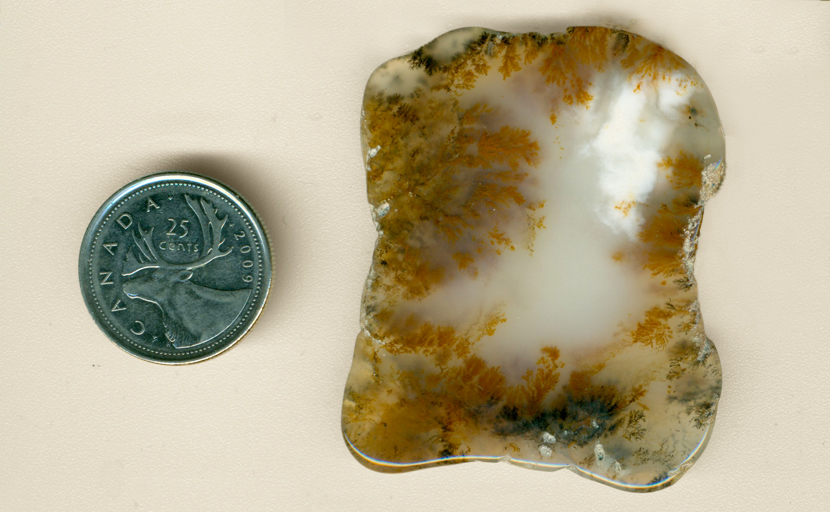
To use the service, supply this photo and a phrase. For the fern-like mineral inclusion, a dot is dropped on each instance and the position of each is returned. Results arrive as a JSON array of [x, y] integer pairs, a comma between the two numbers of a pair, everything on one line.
[[538, 200]]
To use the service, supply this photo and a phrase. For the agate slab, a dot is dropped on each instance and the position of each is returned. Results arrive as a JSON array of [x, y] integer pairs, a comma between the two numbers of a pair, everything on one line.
[[538, 200]]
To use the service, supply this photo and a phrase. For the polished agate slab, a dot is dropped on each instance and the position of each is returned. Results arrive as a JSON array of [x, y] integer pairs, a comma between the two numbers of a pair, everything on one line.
[[538, 200]]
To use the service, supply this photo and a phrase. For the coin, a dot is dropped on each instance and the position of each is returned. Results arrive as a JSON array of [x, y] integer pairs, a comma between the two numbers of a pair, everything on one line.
[[175, 268]]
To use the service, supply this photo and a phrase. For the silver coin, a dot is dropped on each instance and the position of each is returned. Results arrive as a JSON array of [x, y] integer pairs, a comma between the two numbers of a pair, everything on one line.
[[175, 268]]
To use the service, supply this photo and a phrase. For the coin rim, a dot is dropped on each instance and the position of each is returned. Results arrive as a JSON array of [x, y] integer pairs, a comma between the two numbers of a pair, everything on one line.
[[85, 256]]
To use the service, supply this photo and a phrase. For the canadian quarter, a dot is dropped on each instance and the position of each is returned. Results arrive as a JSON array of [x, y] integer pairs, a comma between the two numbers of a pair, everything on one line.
[[175, 268]]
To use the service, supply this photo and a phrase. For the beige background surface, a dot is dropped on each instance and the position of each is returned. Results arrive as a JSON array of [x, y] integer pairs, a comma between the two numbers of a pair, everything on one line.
[[265, 95]]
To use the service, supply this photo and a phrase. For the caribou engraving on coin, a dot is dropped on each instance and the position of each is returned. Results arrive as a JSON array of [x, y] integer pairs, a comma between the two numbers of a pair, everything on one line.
[[175, 268], [191, 313]]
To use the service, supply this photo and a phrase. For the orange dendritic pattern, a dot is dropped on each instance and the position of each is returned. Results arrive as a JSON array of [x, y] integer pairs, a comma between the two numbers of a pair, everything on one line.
[[455, 181], [452, 182], [566, 61], [436, 409]]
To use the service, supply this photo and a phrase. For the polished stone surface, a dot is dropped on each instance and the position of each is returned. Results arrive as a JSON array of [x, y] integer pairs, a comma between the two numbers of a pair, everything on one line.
[[538, 200]]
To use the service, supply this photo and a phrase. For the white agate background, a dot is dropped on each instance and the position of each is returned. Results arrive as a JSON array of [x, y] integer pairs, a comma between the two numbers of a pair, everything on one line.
[[265, 95]]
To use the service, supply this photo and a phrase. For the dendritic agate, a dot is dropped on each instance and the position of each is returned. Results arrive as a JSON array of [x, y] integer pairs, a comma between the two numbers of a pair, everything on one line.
[[538, 200]]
